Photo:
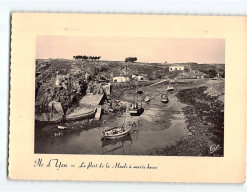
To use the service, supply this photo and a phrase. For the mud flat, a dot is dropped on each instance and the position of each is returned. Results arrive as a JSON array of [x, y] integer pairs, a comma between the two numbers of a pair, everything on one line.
[[159, 126], [204, 117]]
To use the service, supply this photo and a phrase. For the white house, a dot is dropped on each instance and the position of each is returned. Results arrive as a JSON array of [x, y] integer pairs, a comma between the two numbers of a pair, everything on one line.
[[133, 76], [140, 78], [120, 79], [176, 67]]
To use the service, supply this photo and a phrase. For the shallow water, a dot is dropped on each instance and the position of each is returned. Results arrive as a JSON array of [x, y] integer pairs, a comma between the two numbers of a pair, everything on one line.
[[143, 140]]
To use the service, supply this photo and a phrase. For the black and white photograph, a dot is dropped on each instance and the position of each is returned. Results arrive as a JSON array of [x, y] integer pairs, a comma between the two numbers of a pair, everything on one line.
[[150, 96]]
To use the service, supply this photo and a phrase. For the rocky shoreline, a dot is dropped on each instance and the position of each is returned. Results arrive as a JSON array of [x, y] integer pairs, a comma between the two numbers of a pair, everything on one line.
[[44, 129], [205, 123]]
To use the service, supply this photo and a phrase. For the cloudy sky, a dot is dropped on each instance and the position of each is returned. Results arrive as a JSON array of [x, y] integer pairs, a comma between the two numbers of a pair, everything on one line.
[[145, 49]]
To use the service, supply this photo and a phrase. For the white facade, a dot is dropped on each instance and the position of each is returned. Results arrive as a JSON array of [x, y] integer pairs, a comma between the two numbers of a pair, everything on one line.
[[174, 68], [140, 78], [120, 79]]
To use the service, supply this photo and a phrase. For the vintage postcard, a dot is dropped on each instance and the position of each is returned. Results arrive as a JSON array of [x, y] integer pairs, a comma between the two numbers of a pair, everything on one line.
[[149, 98]]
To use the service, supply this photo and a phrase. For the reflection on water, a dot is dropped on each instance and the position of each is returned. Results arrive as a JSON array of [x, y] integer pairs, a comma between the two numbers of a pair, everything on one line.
[[139, 142], [114, 146]]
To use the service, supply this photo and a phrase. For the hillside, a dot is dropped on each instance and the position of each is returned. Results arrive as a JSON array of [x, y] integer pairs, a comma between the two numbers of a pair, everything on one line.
[[112, 68], [73, 75]]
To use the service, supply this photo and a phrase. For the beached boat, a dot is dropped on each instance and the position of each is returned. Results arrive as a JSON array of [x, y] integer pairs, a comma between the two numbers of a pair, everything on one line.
[[61, 127], [147, 99], [87, 115], [164, 98], [139, 91], [135, 108], [170, 88]]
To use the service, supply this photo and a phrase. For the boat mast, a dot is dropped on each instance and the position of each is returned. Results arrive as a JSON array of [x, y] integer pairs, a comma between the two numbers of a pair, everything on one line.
[[124, 117], [136, 93]]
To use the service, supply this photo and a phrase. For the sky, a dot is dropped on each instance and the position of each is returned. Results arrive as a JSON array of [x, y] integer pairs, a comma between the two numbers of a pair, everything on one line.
[[156, 50]]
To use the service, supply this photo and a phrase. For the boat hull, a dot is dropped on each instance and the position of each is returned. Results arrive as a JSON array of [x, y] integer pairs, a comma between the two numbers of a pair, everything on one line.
[[110, 135], [170, 88], [164, 98], [80, 117], [135, 112], [116, 137], [61, 127], [147, 99]]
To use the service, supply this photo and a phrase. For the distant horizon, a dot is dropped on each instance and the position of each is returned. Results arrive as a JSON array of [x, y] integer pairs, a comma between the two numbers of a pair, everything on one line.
[[124, 61], [146, 49]]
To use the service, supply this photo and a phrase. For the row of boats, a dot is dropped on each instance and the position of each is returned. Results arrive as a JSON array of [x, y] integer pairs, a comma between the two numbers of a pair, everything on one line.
[[164, 97]]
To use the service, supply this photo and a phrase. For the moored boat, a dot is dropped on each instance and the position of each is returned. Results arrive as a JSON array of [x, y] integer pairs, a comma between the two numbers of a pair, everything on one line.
[[147, 99], [140, 91], [135, 108], [170, 88], [116, 132], [164, 98]]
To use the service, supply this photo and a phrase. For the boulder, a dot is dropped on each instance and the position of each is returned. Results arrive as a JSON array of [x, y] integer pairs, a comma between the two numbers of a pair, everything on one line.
[[54, 114], [55, 107]]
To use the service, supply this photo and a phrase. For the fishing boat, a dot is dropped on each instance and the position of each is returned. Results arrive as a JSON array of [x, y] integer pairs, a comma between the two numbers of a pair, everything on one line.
[[147, 99], [140, 91], [164, 98], [135, 108], [170, 88], [116, 132]]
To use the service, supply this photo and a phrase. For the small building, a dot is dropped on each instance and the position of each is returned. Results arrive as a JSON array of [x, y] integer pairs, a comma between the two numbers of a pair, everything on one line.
[[140, 78], [120, 79], [176, 68], [133, 76]]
